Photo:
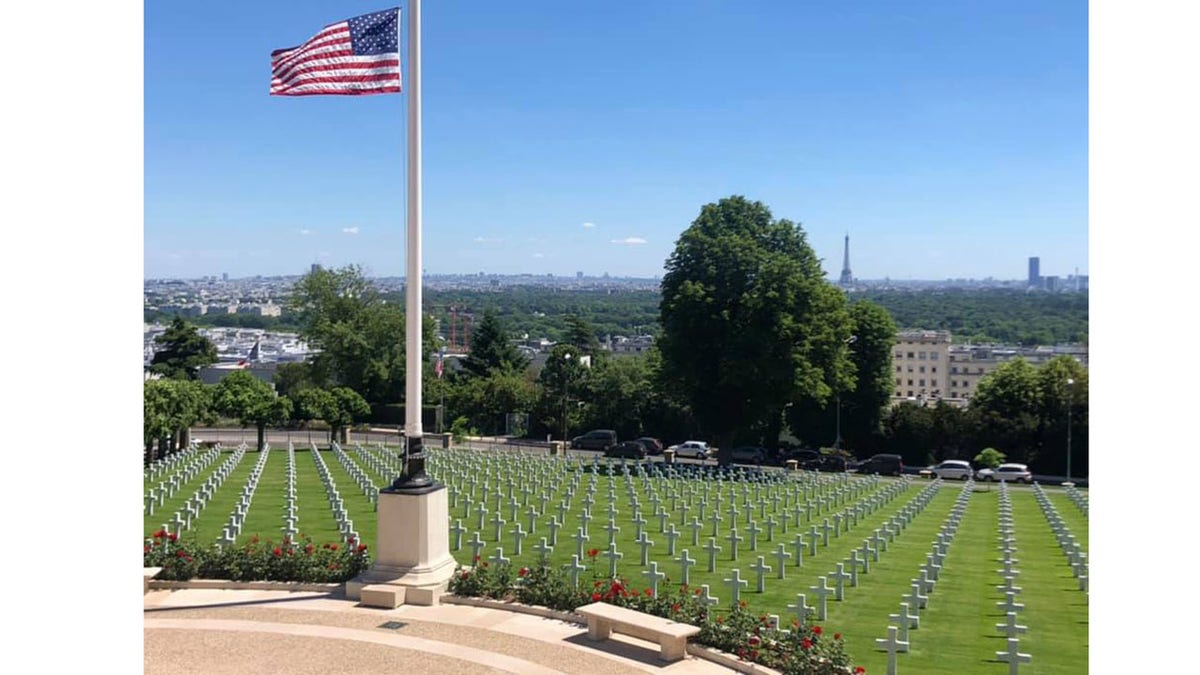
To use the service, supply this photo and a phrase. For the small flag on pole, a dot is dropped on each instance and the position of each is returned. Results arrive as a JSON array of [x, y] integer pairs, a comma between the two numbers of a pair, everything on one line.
[[353, 57], [437, 368]]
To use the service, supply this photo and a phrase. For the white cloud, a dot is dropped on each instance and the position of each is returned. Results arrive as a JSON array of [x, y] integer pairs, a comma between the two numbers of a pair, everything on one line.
[[539, 255], [628, 241], [350, 230], [487, 240], [306, 232], [589, 225]]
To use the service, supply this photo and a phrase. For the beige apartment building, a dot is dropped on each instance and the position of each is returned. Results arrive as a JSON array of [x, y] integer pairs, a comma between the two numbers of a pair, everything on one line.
[[927, 368], [920, 362]]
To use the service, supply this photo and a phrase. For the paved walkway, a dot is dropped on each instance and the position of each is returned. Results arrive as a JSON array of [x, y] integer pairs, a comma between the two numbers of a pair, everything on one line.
[[212, 632]]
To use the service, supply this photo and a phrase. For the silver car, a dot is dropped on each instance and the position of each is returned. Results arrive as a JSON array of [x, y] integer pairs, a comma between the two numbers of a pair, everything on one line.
[[956, 469], [1015, 472], [694, 449]]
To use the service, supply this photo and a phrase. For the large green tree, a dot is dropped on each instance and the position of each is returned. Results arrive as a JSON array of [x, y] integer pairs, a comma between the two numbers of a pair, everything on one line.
[[564, 390], [1008, 409], [360, 336], [182, 351], [169, 409], [749, 322], [251, 401], [864, 404], [491, 349]]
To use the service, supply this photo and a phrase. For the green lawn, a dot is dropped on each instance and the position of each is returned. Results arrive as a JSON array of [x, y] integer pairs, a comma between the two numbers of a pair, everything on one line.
[[956, 633]]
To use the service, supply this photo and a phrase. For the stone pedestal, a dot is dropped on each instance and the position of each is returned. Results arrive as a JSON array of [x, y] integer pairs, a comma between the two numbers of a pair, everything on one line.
[[413, 550]]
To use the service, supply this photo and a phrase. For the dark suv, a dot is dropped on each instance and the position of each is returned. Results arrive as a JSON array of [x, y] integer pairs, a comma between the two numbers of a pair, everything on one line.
[[891, 465], [630, 449], [597, 439]]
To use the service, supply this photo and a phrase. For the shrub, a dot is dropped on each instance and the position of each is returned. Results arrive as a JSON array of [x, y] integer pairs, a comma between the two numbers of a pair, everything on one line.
[[258, 560], [798, 651]]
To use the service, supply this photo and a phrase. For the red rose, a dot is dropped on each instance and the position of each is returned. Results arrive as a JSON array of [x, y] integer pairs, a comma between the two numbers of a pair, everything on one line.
[[742, 604], [806, 644], [333, 547], [649, 592], [308, 549], [675, 607], [180, 553], [362, 547], [276, 552], [595, 597], [593, 552], [160, 534], [476, 559], [523, 571], [753, 654], [817, 630], [837, 636], [860, 669], [172, 536], [754, 640], [465, 575], [351, 541]]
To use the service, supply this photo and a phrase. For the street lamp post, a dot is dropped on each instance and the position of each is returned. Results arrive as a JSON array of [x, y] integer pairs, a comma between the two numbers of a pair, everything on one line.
[[837, 440], [566, 381], [1070, 384]]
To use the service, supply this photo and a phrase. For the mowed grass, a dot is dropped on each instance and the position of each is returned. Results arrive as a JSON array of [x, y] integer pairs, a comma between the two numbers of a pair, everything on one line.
[[957, 632]]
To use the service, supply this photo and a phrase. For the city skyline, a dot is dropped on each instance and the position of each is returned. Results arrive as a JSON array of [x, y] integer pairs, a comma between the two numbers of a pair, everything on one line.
[[938, 137]]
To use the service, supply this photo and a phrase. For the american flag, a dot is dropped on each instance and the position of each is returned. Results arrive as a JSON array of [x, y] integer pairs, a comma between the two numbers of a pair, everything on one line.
[[356, 56], [437, 367]]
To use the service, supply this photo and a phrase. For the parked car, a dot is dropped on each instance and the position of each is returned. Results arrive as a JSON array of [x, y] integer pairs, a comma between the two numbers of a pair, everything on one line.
[[694, 449], [953, 469], [653, 445], [828, 463], [1018, 473], [629, 449], [751, 454], [891, 465], [800, 455], [597, 439]]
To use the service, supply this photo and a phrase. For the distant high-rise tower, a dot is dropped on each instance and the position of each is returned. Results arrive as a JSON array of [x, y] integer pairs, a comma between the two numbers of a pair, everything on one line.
[[1035, 272], [847, 278]]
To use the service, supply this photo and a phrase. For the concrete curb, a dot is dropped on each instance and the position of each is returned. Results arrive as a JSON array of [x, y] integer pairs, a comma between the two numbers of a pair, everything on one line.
[[699, 651], [225, 584]]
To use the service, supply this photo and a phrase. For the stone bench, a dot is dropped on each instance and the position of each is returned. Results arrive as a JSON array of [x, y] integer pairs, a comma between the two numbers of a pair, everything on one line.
[[148, 573], [671, 636]]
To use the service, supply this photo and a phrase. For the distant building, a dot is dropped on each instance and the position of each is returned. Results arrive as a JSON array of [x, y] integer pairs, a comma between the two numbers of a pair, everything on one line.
[[927, 368], [847, 278], [919, 361], [1035, 273]]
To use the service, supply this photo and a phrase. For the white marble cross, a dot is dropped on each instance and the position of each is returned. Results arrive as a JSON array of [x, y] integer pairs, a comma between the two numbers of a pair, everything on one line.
[[736, 583], [781, 556], [1013, 657], [801, 610], [574, 568], [891, 645], [822, 591], [655, 576], [761, 567], [685, 563], [905, 620], [1010, 627]]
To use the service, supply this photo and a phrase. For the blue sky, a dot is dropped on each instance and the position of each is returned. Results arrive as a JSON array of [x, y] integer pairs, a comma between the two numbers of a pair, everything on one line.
[[949, 138]]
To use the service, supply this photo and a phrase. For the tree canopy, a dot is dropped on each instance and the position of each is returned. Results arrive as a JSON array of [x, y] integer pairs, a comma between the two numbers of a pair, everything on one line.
[[491, 349], [749, 322], [182, 351], [251, 401]]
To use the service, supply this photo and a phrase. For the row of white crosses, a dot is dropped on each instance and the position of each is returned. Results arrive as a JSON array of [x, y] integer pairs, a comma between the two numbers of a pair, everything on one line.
[[909, 616], [345, 524], [1076, 557], [385, 464], [457, 479], [860, 558], [290, 515], [161, 467], [1078, 498], [237, 518], [1008, 573], [182, 520], [181, 473], [359, 476]]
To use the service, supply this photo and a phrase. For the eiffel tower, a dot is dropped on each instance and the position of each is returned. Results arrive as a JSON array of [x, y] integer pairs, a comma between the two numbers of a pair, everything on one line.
[[847, 278]]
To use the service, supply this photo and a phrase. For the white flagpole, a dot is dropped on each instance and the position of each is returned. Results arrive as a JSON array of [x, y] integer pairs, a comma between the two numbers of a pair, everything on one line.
[[414, 475]]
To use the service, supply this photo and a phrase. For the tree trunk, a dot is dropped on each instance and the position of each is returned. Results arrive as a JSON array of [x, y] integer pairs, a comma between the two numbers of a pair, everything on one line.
[[162, 447], [185, 437], [262, 436], [149, 455]]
